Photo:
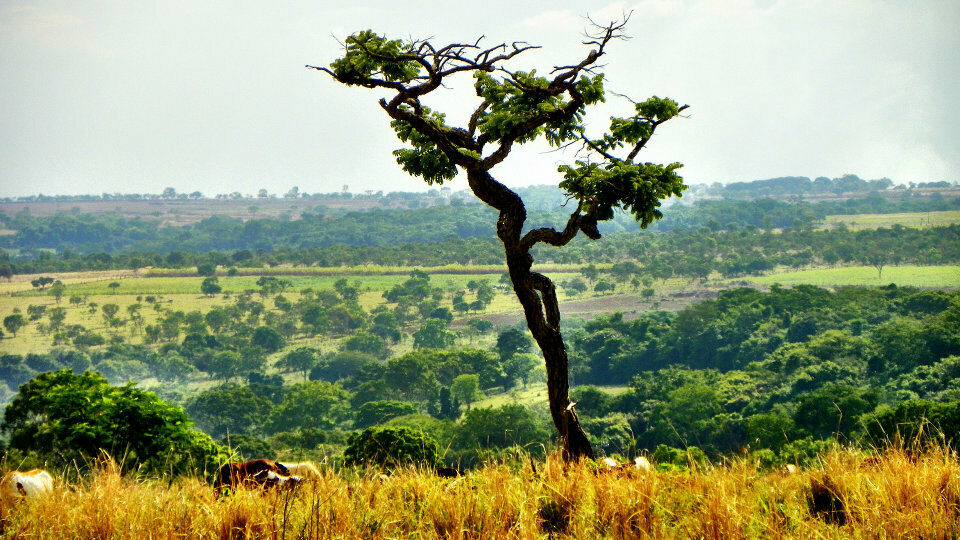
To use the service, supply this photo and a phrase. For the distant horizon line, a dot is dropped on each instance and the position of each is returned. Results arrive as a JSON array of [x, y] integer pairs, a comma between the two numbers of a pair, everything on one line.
[[236, 195]]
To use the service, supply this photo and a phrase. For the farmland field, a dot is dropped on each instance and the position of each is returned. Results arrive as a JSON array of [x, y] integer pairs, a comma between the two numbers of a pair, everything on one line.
[[911, 219], [910, 276]]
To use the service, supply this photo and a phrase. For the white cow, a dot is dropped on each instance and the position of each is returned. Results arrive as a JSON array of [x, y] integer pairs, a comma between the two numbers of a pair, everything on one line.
[[17, 485], [641, 464]]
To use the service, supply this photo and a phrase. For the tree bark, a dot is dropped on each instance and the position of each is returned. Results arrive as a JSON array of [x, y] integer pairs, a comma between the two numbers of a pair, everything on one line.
[[537, 296]]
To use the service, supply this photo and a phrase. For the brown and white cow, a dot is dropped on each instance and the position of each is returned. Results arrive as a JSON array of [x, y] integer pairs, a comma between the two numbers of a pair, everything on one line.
[[17, 485], [257, 473]]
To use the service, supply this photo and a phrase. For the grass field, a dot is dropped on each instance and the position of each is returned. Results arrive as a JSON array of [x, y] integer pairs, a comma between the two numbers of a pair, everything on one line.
[[368, 270], [912, 276], [535, 395], [911, 219], [895, 496]]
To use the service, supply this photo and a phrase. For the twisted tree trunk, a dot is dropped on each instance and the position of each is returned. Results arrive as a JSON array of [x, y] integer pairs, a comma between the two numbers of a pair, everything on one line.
[[538, 297]]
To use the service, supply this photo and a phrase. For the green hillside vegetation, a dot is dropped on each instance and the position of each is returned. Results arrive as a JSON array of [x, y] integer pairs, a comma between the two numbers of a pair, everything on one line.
[[850, 338], [433, 236], [749, 360]]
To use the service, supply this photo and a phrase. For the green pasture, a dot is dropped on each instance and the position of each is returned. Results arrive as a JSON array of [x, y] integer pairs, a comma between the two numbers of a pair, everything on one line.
[[368, 270], [911, 276], [143, 285], [535, 394], [906, 219]]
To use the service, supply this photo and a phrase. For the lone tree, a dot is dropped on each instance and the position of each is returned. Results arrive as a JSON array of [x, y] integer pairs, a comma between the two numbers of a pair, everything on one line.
[[513, 108]]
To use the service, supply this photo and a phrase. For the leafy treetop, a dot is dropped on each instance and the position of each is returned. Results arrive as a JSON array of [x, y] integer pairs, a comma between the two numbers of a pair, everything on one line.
[[516, 107]]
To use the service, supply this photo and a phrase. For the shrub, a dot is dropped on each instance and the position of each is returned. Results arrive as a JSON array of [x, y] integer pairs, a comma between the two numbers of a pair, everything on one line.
[[377, 412], [391, 447], [68, 419]]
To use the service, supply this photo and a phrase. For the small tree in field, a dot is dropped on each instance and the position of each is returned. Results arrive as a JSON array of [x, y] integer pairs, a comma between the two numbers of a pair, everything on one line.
[[13, 323], [513, 108], [210, 286]]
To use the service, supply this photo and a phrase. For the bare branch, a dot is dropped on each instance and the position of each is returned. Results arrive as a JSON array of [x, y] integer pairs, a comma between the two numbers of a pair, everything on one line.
[[551, 236], [597, 149], [624, 96], [475, 117]]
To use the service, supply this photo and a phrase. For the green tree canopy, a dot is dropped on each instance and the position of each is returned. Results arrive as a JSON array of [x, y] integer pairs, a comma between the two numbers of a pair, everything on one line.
[[466, 389], [312, 404], [68, 419], [433, 335], [210, 286], [229, 409], [301, 359], [391, 447], [13, 323]]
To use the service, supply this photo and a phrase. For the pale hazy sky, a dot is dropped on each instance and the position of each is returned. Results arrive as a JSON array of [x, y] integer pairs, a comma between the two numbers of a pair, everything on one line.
[[134, 96]]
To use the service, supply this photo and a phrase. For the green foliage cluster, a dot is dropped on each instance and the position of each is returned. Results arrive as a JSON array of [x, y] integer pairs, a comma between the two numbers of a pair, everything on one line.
[[66, 420], [391, 447], [772, 370]]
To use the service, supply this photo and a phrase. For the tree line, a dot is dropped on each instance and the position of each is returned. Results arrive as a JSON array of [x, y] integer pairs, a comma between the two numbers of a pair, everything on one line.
[[781, 371], [84, 235], [732, 252]]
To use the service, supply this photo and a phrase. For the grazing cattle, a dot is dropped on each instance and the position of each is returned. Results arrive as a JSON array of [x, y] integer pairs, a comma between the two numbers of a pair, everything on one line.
[[610, 463], [270, 479], [640, 464], [304, 470], [17, 485], [250, 473], [448, 472]]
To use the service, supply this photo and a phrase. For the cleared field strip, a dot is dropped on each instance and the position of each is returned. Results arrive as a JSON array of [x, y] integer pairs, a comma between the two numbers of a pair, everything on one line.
[[366, 270], [912, 219], [239, 284], [535, 394], [910, 276]]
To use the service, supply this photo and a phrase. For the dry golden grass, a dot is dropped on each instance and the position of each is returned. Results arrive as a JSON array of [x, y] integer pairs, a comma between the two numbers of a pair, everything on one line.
[[896, 497]]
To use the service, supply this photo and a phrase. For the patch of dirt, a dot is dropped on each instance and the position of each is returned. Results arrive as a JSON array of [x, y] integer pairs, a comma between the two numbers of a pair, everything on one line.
[[632, 307]]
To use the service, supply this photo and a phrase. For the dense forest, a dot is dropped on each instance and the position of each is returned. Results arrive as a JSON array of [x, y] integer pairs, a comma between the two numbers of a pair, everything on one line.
[[780, 370]]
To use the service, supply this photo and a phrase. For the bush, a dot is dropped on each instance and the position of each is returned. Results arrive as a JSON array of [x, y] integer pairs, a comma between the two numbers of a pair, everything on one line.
[[68, 419], [378, 412], [805, 452], [391, 447], [670, 458], [914, 422], [206, 269]]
